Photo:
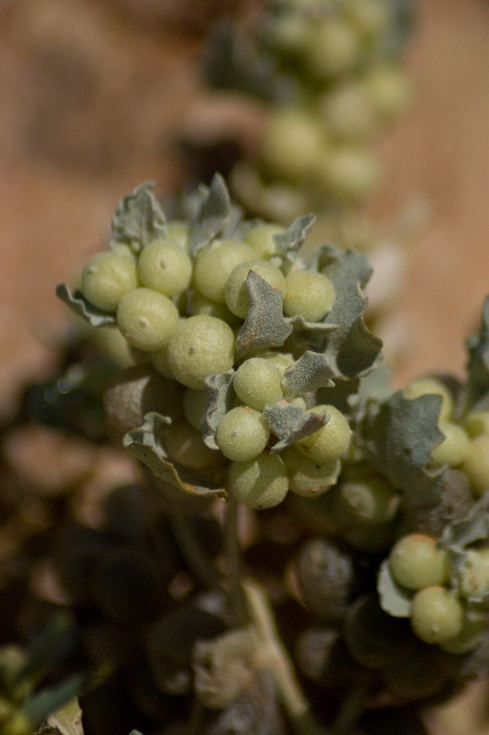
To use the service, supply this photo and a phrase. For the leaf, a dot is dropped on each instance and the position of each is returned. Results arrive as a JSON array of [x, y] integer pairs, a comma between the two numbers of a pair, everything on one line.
[[291, 423], [220, 400], [394, 599], [78, 303], [307, 374], [139, 218], [68, 718], [309, 334], [144, 444], [351, 347], [213, 214], [478, 365], [40, 704], [397, 437], [265, 326], [290, 242]]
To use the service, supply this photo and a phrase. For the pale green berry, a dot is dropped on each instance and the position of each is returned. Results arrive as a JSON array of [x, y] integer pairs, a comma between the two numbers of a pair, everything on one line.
[[308, 294], [331, 440], [436, 615], [369, 500], [348, 172], [179, 232], [333, 48], [159, 360], [261, 240], [454, 448], [164, 267], [201, 346], [236, 292], [370, 17], [307, 478], [348, 111], [429, 386], [107, 277], [214, 264], [416, 562], [147, 319], [185, 446], [242, 434], [259, 483], [291, 142], [257, 383], [281, 360], [201, 305], [195, 408], [388, 89], [476, 464], [477, 423]]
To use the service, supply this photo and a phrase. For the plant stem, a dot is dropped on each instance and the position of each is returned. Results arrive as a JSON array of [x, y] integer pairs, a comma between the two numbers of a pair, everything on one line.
[[232, 551], [192, 550]]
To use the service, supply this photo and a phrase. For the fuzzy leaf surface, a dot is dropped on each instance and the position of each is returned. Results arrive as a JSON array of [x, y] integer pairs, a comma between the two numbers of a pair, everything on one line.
[[290, 242], [81, 307], [290, 423], [308, 373], [144, 444], [394, 599], [265, 326], [397, 437], [351, 347], [139, 218], [221, 399], [213, 214]]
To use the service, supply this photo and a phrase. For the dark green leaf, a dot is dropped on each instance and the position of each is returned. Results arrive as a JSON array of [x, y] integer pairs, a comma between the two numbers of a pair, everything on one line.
[[291, 423], [213, 214], [290, 242], [394, 599], [397, 437], [265, 326], [220, 400], [144, 444], [139, 218], [78, 303], [308, 373]]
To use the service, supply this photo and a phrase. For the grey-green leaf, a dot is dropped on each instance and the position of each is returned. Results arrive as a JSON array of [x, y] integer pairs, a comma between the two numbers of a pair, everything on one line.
[[221, 399], [78, 304], [144, 444], [354, 349], [309, 334], [290, 423], [394, 599], [478, 367], [139, 218], [397, 437], [290, 242], [265, 326], [308, 373], [213, 214]]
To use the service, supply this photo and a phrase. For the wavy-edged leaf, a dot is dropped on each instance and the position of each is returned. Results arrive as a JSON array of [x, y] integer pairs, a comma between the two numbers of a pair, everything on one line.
[[221, 399], [139, 218], [290, 423], [478, 366], [78, 303], [265, 326], [290, 242], [308, 373], [213, 214], [394, 599], [309, 334], [354, 350], [144, 444], [397, 437]]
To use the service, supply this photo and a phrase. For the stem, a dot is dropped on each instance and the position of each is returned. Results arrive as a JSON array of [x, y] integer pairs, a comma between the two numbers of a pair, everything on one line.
[[192, 550], [232, 551]]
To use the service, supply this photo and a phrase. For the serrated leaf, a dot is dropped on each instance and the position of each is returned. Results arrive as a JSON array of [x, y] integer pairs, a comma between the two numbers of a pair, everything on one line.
[[213, 214], [290, 423], [221, 399], [290, 242], [394, 599], [139, 218], [397, 437], [354, 350], [478, 366], [144, 444], [67, 719], [78, 303], [308, 373], [265, 326]]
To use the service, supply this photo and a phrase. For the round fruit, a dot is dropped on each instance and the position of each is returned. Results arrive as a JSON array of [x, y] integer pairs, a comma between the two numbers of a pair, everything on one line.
[[416, 562], [184, 445], [147, 319], [214, 264], [242, 434], [331, 441], [436, 615], [236, 292], [308, 294], [476, 464], [261, 239], [306, 477], [257, 383], [107, 277], [291, 142], [454, 448], [260, 482], [164, 267]]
